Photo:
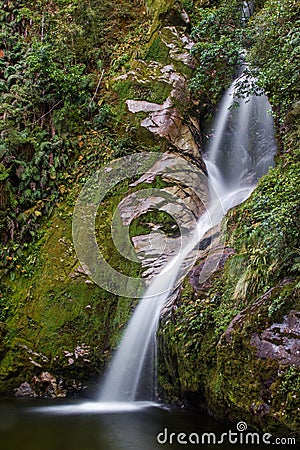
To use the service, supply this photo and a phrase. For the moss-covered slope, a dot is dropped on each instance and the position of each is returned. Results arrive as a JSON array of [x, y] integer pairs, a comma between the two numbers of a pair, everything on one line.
[[229, 345], [232, 344], [57, 327]]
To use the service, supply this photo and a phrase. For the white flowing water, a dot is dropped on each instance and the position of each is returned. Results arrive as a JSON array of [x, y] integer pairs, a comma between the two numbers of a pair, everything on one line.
[[240, 151], [132, 373]]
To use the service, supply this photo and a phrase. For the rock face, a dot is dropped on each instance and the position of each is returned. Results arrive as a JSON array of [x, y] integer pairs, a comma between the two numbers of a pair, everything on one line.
[[172, 122], [184, 203], [211, 259], [251, 369], [166, 70], [169, 120], [281, 341], [44, 385]]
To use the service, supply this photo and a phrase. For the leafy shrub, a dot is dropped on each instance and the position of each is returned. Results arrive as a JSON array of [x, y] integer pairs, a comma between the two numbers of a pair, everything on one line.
[[219, 42], [275, 37]]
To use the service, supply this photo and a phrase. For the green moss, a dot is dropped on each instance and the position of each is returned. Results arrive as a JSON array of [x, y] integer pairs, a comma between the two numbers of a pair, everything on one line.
[[144, 89], [265, 229], [223, 369], [55, 309], [143, 225], [157, 51], [259, 286]]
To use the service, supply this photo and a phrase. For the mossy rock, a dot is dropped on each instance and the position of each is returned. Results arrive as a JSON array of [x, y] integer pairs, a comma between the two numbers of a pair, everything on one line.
[[166, 13], [55, 309], [157, 51]]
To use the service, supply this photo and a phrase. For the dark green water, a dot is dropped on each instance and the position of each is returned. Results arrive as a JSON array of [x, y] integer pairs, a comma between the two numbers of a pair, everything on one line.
[[65, 425]]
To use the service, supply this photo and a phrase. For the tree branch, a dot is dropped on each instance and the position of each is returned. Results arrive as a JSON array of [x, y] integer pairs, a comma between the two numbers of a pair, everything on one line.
[[48, 112], [98, 85]]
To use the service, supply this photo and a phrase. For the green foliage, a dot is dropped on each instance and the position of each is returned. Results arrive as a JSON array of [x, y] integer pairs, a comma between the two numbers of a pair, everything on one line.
[[194, 320], [266, 227], [158, 50], [4, 173], [275, 36], [5, 302], [290, 381], [219, 41], [146, 223], [271, 38], [53, 62], [41, 87]]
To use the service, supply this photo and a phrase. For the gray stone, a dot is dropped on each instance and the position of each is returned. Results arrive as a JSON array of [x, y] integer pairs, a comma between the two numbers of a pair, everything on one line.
[[46, 385], [281, 341], [179, 44], [25, 390]]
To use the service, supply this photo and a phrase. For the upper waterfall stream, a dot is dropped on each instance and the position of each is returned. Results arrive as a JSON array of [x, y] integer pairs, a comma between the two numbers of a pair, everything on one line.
[[240, 151]]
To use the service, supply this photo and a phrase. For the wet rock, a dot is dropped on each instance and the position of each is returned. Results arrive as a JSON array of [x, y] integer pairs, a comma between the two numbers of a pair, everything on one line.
[[184, 204], [174, 122], [25, 390], [173, 169], [46, 385], [154, 250], [211, 259], [135, 106], [168, 123], [238, 322], [179, 44], [172, 119], [166, 120], [135, 205], [281, 341]]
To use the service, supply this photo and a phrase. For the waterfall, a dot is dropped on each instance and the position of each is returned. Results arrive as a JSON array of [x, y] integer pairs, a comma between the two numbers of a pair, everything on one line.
[[242, 146], [132, 373], [241, 150]]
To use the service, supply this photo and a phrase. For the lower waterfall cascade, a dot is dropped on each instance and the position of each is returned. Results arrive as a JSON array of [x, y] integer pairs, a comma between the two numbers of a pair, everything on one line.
[[240, 151]]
